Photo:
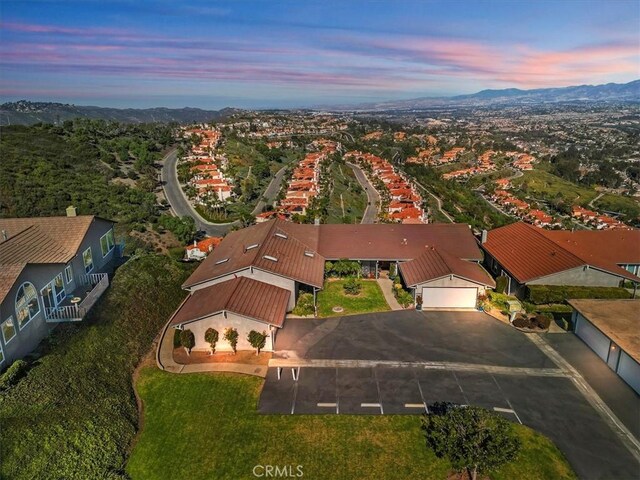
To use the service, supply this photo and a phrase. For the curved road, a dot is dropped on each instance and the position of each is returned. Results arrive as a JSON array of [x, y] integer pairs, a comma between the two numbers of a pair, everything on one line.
[[373, 197], [180, 206]]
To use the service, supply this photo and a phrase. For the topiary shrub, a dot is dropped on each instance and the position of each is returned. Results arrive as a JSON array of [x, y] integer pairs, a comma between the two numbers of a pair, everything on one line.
[[304, 307], [211, 337], [501, 284], [187, 340], [231, 336], [352, 286], [257, 340], [14, 373]]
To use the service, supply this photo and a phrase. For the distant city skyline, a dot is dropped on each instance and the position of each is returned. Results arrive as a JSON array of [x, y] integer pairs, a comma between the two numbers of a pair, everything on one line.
[[259, 54]]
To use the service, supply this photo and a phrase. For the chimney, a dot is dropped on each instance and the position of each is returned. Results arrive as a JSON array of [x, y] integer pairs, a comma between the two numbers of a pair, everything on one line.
[[4, 235], [71, 211], [483, 239]]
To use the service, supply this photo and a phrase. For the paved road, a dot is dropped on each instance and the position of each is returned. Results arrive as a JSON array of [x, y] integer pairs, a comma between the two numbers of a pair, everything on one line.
[[437, 199], [180, 206], [373, 198]]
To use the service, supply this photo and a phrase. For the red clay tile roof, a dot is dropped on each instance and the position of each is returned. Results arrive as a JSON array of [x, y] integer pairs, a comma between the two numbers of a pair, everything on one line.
[[243, 296], [528, 252], [437, 263]]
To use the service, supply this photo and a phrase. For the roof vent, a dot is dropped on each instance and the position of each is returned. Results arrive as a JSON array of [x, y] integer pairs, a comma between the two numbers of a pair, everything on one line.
[[269, 257], [309, 254], [281, 235], [224, 260]]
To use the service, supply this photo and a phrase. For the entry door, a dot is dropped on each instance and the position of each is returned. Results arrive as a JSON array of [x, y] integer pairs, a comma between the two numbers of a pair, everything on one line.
[[614, 355], [48, 296]]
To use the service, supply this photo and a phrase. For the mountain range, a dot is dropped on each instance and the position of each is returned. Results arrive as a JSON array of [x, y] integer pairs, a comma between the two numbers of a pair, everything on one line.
[[25, 112]]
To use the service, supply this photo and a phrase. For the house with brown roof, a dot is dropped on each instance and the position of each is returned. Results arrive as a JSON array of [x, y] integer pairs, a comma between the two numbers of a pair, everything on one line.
[[528, 255], [254, 276], [52, 270]]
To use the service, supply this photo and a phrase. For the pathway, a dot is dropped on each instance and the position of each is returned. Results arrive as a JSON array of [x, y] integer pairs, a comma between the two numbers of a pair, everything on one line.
[[386, 285], [165, 361], [437, 199]]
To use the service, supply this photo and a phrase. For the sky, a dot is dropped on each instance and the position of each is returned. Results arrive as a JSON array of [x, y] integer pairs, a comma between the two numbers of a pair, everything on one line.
[[286, 54]]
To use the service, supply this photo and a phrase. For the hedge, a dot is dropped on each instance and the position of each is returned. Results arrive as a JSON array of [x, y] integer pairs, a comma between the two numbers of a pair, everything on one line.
[[541, 294], [74, 414]]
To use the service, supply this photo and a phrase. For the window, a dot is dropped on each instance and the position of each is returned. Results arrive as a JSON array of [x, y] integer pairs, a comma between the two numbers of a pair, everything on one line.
[[27, 305], [107, 243], [58, 288], [1, 355], [87, 258], [68, 273], [8, 330]]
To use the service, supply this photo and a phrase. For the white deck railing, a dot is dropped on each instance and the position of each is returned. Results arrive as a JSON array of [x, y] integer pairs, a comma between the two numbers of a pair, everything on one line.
[[71, 313]]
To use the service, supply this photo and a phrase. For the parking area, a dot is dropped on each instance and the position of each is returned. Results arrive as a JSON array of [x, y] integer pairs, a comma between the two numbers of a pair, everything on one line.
[[410, 335], [550, 405]]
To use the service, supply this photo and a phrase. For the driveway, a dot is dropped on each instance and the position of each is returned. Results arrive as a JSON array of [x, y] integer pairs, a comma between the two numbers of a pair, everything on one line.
[[402, 362]]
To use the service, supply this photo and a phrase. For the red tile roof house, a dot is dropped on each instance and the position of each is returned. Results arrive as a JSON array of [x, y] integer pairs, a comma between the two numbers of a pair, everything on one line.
[[255, 275], [528, 255], [52, 270]]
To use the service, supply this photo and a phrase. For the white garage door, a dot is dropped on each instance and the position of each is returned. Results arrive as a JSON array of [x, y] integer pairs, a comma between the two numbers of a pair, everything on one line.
[[433, 297], [593, 337]]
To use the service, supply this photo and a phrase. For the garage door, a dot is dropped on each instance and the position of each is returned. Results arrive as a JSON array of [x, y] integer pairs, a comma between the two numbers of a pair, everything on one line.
[[593, 337], [433, 297]]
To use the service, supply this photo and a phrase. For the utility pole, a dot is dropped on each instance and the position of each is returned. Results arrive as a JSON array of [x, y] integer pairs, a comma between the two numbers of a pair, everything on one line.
[[342, 205]]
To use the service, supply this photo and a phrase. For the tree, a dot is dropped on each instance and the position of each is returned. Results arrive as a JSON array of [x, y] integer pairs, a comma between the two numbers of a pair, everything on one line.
[[211, 337], [231, 336], [472, 438], [187, 340], [352, 286], [257, 340]]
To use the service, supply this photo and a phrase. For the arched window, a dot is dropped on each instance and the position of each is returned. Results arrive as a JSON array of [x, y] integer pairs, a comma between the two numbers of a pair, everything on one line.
[[27, 305]]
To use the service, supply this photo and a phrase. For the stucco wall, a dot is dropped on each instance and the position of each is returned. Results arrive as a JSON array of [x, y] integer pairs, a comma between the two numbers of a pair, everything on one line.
[[589, 277], [261, 276], [220, 323], [451, 282]]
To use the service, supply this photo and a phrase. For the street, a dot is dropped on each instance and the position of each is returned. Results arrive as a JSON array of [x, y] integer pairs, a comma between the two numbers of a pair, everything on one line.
[[373, 198]]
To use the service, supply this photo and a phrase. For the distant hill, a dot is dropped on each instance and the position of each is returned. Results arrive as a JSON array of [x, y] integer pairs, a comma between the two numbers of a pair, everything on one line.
[[24, 112], [610, 92]]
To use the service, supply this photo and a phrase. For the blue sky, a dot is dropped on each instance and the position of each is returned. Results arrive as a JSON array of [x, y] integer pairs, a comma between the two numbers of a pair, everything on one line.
[[303, 53]]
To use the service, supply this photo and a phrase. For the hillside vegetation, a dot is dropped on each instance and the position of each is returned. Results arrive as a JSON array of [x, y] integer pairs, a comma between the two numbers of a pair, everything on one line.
[[74, 414]]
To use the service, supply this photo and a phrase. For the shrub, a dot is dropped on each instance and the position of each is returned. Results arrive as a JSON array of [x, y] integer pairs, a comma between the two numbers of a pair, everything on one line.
[[352, 286], [304, 307], [541, 294], [501, 284], [541, 321], [344, 268], [257, 340], [231, 336], [14, 373], [187, 340], [211, 337], [404, 298], [521, 321], [177, 253], [176, 338]]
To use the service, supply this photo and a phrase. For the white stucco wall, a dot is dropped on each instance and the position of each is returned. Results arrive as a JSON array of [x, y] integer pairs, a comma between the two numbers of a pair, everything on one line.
[[580, 276], [220, 323], [451, 282], [261, 276]]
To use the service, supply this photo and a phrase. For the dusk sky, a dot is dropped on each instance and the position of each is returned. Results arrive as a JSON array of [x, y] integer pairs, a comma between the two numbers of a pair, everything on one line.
[[299, 53]]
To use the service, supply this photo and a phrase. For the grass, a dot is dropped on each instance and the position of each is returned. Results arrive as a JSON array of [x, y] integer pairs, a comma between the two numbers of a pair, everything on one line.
[[354, 197], [548, 186], [370, 299], [203, 426]]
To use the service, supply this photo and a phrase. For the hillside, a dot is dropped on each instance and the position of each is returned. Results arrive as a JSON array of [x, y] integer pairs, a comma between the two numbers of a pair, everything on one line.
[[24, 112]]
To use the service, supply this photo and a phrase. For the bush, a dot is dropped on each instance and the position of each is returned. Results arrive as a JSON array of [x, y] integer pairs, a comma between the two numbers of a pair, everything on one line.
[[257, 340], [521, 321], [177, 253], [343, 268], [304, 307], [541, 294], [501, 284], [352, 286], [404, 298], [187, 339], [14, 373], [211, 337], [541, 321], [231, 336], [176, 338]]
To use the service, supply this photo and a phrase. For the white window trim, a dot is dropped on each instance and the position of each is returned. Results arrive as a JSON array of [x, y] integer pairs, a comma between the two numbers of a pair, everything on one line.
[[68, 268], [113, 245], [3, 355], [15, 330], [15, 303], [55, 293], [85, 264]]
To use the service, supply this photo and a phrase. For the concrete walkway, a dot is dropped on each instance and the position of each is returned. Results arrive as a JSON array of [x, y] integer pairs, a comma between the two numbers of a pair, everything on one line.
[[386, 285], [165, 361]]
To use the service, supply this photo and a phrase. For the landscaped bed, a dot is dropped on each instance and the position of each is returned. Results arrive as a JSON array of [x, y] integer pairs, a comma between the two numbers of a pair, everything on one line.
[[243, 356], [203, 426], [370, 299]]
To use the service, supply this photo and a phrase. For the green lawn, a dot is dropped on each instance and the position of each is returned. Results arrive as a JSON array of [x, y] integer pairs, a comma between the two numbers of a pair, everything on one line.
[[204, 426], [370, 299]]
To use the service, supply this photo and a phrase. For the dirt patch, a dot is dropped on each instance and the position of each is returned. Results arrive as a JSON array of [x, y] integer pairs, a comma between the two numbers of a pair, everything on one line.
[[147, 361], [160, 242], [244, 356]]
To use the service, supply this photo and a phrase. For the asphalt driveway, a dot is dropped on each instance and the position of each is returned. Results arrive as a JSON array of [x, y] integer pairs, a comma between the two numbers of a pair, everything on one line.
[[410, 335]]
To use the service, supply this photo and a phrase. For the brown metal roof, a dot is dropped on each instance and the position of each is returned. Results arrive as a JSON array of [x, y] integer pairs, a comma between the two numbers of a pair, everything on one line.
[[622, 246], [527, 252], [617, 319], [249, 247], [38, 240], [437, 263], [243, 296], [395, 241]]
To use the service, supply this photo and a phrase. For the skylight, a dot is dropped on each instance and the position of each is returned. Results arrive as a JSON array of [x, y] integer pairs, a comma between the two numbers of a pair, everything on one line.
[[281, 235], [250, 247], [224, 260], [309, 254], [269, 257]]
